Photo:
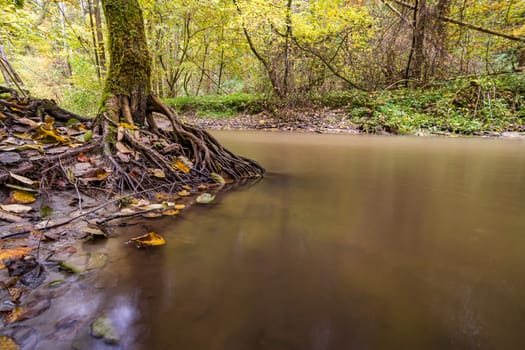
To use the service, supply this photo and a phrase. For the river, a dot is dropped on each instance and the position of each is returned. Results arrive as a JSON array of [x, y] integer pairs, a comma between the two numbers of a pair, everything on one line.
[[349, 242]]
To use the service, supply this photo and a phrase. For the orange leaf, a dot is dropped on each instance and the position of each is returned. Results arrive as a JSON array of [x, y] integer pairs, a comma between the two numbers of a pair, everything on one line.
[[13, 253], [82, 158]]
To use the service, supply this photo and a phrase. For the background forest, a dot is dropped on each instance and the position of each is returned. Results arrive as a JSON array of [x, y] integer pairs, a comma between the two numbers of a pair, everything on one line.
[[294, 50]]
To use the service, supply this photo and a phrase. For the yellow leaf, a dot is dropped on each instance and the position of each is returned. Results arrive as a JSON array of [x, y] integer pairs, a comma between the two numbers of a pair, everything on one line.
[[23, 135], [43, 133], [20, 197], [15, 314], [177, 164], [149, 239], [179, 206], [186, 187], [128, 126], [13, 253], [184, 193], [102, 174], [161, 196], [7, 343], [170, 212], [151, 215]]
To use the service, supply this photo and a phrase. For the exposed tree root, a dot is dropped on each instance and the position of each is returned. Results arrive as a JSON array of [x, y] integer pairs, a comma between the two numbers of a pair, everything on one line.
[[129, 158]]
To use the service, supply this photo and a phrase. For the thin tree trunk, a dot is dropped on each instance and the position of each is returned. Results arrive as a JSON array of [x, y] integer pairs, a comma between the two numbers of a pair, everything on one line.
[[8, 72], [62, 8], [100, 35], [467, 25], [287, 68], [94, 38]]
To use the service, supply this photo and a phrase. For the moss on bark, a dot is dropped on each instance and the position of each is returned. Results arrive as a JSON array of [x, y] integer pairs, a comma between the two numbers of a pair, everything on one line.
[[129, 72]]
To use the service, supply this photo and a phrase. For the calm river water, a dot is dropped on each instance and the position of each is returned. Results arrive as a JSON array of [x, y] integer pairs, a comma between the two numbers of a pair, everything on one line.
[[349, 242]]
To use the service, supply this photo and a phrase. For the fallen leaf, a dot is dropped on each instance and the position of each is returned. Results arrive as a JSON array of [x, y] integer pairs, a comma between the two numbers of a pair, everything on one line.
[[16, 208], [183, 193], [149, 239], [103, 328], [23, 135], [122, 148], [205, 198], [43, 133], [98, 174], [14, 315], [13, 253], [20, 197], [128, 126], [72, 122], [34, 146], [85, 137], [159, 173], [22, 179], [154, 206], [9, 217], [161, 196], [151, 215], [82, 158], [25, 189], [95, 232], [45, 211], [9, 158], [186, 187], [170, 212], [123, 157], [7, 343], [15, 294], [217, 178], [179, 206], [182, 163]]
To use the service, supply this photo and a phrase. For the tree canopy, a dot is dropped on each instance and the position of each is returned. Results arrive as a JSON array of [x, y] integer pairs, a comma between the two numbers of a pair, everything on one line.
[[284, 47]]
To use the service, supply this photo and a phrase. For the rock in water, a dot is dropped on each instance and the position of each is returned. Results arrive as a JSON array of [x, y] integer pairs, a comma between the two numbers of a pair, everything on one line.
[[103, 328]]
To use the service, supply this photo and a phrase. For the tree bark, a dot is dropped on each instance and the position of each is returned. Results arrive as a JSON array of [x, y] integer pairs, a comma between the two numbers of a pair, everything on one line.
[[128, 83], [100, 36]]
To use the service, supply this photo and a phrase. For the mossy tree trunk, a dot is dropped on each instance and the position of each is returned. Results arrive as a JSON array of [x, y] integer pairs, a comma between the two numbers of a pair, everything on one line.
[[128, 83], [128, 98]]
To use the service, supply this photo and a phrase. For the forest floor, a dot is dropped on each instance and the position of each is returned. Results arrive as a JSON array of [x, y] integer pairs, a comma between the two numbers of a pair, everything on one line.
[[314, 120]]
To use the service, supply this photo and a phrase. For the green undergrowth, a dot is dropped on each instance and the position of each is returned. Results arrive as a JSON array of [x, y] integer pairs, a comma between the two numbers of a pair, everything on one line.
[[467, 107], [219, 106]]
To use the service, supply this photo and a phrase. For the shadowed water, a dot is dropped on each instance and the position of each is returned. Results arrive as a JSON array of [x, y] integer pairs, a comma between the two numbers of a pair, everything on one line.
[[349, 242]]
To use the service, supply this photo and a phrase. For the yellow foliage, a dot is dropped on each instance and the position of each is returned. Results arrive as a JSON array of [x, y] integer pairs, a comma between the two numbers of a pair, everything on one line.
[[149, 239]]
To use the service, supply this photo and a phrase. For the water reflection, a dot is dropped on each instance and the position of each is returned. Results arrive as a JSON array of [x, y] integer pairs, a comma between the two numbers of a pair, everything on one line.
[[347, 243]]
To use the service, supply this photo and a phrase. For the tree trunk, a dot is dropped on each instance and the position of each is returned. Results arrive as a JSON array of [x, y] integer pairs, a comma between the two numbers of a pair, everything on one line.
[[10, 76], [100, 36], [128, 83], [129, 99]]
